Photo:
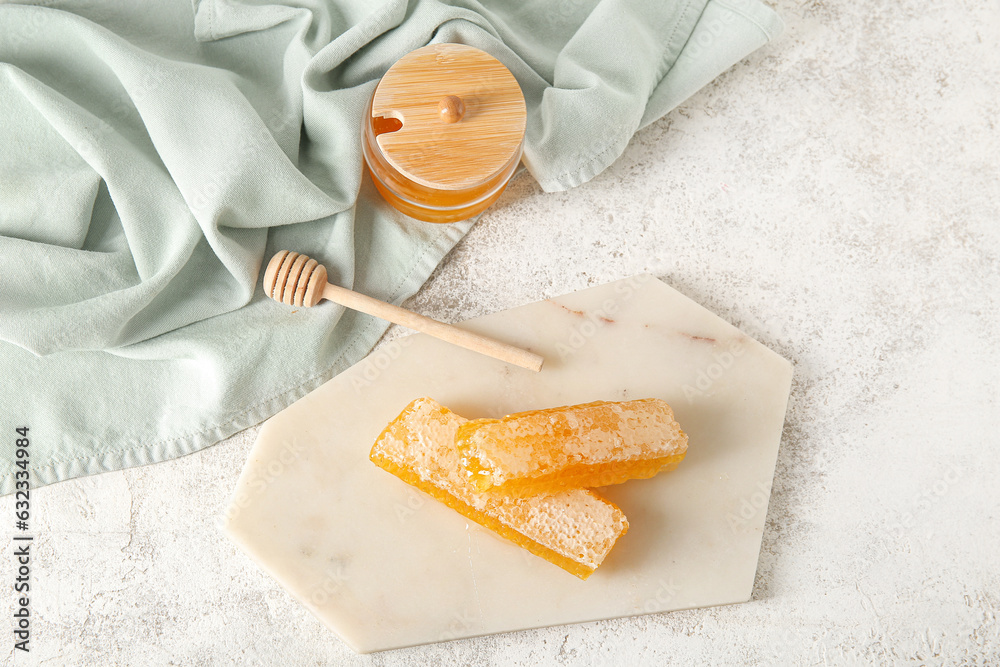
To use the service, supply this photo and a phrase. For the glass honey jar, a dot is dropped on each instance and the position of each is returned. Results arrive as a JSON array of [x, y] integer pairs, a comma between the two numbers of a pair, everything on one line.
[[444, 132]]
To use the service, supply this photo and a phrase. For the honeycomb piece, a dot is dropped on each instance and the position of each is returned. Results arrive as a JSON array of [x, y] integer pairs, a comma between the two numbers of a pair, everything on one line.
[[574, 529], [594, 444]]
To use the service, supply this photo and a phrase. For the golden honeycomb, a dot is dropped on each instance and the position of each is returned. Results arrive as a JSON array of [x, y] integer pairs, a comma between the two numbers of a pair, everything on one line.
[[589, 445], [572, 528]]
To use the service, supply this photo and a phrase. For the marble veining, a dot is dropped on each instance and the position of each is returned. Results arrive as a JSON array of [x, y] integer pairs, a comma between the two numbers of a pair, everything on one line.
[[409, 566]]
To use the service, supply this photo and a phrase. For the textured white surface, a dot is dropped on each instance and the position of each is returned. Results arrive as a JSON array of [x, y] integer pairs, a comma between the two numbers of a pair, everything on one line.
[[836, 197]]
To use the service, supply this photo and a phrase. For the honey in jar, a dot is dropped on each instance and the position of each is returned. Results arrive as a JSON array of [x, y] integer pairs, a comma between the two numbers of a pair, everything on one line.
[[444, 132]]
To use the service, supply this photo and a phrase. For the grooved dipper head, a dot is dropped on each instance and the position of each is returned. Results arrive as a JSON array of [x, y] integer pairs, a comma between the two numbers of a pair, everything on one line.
[[294, 279]]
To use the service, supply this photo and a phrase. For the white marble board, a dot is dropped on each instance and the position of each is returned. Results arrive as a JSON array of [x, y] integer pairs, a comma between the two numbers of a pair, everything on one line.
[[385, 566]]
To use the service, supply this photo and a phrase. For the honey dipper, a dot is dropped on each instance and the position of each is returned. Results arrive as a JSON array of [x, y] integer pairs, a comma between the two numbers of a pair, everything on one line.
[[296, 280]]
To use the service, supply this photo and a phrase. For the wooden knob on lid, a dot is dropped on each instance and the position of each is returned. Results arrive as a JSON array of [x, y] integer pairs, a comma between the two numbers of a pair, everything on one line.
[[451, 108]]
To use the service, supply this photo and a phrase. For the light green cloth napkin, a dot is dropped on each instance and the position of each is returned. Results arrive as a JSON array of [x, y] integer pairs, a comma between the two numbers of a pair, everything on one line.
[[153, 155]]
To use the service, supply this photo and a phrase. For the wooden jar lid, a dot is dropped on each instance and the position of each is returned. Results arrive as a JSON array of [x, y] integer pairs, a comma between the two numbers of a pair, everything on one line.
[[462, 116]]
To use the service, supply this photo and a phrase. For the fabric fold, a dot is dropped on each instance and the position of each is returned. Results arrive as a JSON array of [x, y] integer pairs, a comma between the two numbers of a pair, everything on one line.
[[156, 156]]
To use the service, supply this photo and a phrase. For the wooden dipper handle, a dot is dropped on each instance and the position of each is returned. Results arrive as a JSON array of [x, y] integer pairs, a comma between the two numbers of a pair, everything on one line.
[[296, 280]]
